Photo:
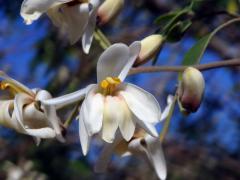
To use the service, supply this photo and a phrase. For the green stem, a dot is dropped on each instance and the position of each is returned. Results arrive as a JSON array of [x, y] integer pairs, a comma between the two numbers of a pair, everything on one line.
[[72, 115]]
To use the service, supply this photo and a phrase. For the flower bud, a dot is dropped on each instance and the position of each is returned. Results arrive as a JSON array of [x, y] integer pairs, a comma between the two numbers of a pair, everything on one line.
[[108, 10], [150, 46], [191, 89]]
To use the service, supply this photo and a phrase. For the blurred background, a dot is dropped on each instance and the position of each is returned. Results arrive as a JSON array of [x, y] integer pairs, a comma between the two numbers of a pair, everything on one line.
[[204, 145]]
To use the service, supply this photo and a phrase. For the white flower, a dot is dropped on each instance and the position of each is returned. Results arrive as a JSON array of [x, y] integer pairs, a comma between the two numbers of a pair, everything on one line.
[[141, 145], [25, 114], [77, 18], [113, 104]]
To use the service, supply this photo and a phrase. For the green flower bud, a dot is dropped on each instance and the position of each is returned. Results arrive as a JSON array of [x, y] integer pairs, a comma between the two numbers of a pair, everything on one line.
[[191, 89], [108, 10], [150, 46]]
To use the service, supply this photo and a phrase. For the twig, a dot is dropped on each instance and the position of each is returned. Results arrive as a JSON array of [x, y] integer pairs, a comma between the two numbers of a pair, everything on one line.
[[201, 67]]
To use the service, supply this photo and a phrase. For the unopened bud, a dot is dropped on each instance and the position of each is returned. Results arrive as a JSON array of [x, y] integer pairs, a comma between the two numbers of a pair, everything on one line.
[[191, 89], [108, 10], [150, 46]]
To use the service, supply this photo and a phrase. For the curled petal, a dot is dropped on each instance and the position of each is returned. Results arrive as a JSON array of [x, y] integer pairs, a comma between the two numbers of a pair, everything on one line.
[[67, 99], [170, 101], [51, 115], [6, 110], [156, 156], [31, 10], [43, 133], [143, 104]]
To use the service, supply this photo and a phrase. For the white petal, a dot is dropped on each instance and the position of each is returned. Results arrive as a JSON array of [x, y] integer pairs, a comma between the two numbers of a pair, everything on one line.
[[67, 99], [17, 84], [51, 115], [94, 104], [170, 101], [88, 34], [110, 119], [19, 102], [148, 127], [143, 104], [156, 156], [41, 132], [134, 48], [126, 121], [84, 137], [76, 19], [32, 9], [6, 106], [112, 61]]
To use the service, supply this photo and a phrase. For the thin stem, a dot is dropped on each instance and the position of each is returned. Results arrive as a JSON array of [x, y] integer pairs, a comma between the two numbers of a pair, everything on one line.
[[70, 118], [201, 67], [103, 40]]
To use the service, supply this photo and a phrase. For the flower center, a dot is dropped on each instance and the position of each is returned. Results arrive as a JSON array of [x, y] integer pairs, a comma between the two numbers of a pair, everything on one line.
[[108, 85]]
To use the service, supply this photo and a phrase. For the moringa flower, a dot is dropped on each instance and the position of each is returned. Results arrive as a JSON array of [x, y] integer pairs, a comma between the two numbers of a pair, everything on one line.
[[25, 114], [141, 144], [112, 104], [77, 18]]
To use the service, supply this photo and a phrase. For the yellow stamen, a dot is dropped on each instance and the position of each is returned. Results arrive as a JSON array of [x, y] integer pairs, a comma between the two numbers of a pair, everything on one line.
[[4, 85], [109, 85]]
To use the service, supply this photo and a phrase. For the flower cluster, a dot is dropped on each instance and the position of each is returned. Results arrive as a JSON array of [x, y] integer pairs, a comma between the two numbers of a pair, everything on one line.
[[119, 113]]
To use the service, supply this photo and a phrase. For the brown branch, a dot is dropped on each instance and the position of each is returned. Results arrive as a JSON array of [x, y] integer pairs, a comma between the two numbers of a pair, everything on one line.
[[201, 67]]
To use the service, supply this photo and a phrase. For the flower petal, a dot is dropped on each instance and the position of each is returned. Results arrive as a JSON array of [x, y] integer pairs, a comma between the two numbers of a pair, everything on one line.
[[84, 137], [143, 104], [112, 61], [43, 133], [6, 110], [67, 99], [88, 34], [110, 119], [126, 121], [51, 115], [32, 9], [155, 154], [19, 102], [75, 19], [148, 127], [94, 104], [170, 101], [135, 49]]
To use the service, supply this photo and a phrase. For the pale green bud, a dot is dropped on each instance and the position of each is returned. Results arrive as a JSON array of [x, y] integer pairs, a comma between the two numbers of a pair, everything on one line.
[[108, 10], [191, 89], [150, 46]]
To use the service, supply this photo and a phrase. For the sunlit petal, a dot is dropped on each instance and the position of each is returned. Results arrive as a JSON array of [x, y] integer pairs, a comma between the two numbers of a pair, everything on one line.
[[94, 111], [32, 9], [170, 100]]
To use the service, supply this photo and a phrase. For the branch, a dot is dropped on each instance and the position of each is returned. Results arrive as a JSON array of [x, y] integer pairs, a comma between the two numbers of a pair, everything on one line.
[[201, 67]]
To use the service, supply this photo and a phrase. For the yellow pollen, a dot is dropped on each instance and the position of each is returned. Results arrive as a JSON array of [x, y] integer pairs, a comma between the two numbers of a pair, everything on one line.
[[109, 85]]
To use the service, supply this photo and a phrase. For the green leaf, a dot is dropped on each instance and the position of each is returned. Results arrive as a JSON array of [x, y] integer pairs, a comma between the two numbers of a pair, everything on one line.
[[194, 55], [178, 30]]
